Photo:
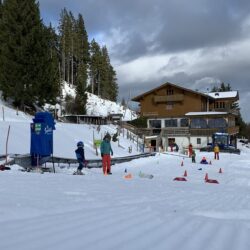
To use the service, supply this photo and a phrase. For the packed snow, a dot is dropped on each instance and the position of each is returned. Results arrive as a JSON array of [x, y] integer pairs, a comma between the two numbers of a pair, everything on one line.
[[61, 211]]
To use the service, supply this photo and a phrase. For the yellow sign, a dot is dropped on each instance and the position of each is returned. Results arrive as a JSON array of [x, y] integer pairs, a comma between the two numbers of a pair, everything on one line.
[[97, 143]]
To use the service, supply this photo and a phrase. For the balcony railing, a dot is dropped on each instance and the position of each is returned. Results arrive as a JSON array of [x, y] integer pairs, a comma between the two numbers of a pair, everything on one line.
[[229, 110], [175, 131], [169, 98], [182, 131], [210, 131]]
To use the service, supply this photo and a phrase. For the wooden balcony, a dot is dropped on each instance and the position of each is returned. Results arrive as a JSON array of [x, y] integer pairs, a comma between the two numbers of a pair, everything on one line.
[[169, 98], [150, 114], [183, 131], [228, 110], [210, 131]]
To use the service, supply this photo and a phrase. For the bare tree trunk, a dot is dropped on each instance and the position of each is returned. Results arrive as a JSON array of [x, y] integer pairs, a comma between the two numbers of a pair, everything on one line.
[[72, 61]]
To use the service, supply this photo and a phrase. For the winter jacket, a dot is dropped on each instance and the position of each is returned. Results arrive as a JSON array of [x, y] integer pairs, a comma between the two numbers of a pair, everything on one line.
[[216, 149], [80, 154], [106, 148]]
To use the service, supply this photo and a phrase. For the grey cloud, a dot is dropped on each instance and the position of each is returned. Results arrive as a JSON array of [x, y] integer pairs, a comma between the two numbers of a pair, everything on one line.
[[167, 26], [178, 25]]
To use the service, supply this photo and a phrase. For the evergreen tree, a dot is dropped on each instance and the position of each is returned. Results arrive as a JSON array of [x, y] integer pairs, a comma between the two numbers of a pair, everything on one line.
[[51, 76], [66, 32], [102, 73], [24, 57], [81, 60], [1, 5], [123, 103], [222, 88], [109, 79], [95, 66]]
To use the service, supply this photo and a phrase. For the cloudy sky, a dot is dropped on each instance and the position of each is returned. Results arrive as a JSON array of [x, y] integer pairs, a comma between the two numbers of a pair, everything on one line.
[[197, 43]]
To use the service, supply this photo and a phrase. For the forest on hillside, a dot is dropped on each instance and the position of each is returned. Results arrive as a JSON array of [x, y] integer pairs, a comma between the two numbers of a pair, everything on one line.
[[36, 59]]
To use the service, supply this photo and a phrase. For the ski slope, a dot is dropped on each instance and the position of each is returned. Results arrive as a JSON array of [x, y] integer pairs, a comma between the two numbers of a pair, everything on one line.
[[62, 211]]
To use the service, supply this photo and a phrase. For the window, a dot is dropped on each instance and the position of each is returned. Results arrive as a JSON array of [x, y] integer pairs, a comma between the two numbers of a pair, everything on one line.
[[170, 91], [198, 141], [171, 123], [217, 123], [169, 106], [184, 122], [155, 123], [198, 123], [220, 105]]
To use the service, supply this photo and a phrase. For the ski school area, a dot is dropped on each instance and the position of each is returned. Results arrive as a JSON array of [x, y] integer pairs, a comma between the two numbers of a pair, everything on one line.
[[160, 202], [129, 209]]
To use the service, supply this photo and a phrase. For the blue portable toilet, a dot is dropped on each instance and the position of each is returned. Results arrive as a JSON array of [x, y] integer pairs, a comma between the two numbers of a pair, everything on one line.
[[41, 146]]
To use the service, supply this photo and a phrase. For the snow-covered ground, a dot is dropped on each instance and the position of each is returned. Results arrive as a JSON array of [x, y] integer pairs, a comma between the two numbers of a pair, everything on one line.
[[62, 211], [96, 105]]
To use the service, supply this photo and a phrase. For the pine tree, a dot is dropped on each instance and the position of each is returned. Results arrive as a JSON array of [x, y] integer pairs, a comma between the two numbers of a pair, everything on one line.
[[24, 57], [95, 66], [66, 33], [51, 76], [110, 81], [81, 56], [102, 73]]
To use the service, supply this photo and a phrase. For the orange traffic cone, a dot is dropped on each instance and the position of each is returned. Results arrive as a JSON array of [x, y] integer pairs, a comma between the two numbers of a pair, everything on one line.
[[185, 173], [128, 176], [220, 171], [182, 164], [206, 177]]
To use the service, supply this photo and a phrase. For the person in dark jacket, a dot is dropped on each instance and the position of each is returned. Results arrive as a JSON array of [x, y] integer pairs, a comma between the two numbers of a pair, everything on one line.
[[204, 160], [80, 157], [193, 156], [106, 151]]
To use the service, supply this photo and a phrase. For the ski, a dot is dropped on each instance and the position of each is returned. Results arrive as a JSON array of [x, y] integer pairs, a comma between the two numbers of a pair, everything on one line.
[[143, 175], [78, 173]]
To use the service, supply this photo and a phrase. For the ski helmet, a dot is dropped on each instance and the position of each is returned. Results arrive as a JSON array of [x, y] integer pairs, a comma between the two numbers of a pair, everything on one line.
[[80, 144]]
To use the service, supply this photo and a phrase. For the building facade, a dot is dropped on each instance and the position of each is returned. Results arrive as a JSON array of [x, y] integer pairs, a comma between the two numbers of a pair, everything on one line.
[[177, 115]]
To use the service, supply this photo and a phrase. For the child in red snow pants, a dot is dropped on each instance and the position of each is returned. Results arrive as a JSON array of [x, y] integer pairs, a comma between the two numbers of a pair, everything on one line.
[[106, 160]]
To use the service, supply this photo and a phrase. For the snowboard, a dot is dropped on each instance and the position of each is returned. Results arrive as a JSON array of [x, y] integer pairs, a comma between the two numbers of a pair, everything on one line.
[[143, 175]]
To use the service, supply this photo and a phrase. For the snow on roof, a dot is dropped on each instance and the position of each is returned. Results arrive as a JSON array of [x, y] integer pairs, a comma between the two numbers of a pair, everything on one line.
[[220, 95], [205, 113]]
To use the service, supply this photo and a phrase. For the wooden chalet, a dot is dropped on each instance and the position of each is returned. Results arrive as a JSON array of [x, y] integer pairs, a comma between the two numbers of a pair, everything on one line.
[[183, 116]]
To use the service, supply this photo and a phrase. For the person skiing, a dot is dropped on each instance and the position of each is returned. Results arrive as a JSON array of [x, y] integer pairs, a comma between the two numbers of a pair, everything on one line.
[[106, 150], [80, 157]]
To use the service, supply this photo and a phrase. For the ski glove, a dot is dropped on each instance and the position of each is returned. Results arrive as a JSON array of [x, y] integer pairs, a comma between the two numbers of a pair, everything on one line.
[[102, 155]]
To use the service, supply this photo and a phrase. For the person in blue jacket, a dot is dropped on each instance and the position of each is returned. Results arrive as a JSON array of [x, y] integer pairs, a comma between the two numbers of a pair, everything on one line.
[[80, 157], [204, 160], [106, 151]]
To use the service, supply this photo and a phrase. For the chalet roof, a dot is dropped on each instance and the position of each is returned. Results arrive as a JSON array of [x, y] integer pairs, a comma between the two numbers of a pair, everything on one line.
[[139, 97], [224, 95]]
